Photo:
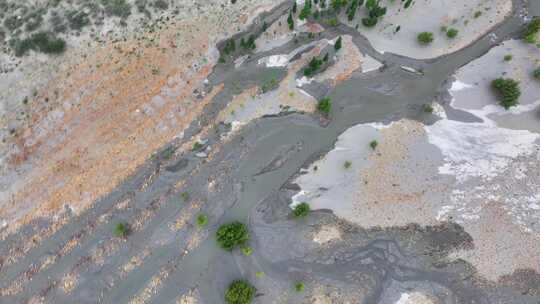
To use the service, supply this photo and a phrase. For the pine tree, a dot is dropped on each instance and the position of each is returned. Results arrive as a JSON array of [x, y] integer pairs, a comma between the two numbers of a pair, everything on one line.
[[294, 8], [290, 21], [337, 46]]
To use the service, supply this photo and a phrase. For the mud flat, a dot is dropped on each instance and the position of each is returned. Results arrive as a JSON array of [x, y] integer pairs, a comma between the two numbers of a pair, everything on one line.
[[372, 248]]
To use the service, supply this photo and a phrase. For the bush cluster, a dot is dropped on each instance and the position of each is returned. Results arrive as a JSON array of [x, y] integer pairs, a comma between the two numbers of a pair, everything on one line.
[[239, 292], [509, 91], [42, 42], [232, 235]]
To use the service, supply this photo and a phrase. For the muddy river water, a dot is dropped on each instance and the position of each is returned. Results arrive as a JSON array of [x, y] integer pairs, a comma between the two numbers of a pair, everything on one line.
[[250, 176]]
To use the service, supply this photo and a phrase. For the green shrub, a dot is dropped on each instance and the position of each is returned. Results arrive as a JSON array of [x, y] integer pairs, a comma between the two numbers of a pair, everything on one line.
[[427, 108], [325, 105], [301, 210], [452, 33], [425, 38], [121, 230], [77, 19], [202, 220], [231, 235], [299, 286], [373, 144], [239, 292], [247, 251], [477, 14], [536, 73], [347, 164], [369, 22], [509, 91], [508, 57]]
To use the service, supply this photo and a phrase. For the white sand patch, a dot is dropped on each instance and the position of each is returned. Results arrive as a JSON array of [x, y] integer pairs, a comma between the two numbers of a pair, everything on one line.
[[275, 61], [414, 298], [478, 149]]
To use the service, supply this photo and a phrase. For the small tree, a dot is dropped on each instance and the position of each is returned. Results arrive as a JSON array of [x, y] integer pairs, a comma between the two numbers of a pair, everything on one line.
[[301, 210], [325, 105], [347, 164], [239, 292], [425, 38], [337, 45], [373, 144], [508, 57], [231, 235], [121, 230], [452, 33], [294, 7], [509, 91]]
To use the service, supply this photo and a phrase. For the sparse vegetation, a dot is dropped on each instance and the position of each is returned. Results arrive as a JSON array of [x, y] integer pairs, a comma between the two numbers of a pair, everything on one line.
[[301, 210], [239, 292], [452, 33], [197, 146], [536, 73], [232, 235], [325, 105], [373, 144], [425, 38], [509, 91], [299, 286], [185, 196], [202, 220], [121, 230], [531, 30]]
